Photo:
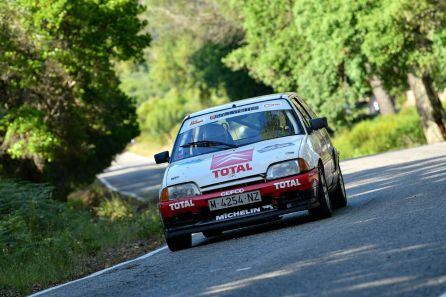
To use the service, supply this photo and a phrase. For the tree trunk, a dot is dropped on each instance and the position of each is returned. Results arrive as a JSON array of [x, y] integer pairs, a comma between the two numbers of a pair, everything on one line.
[[386, 105], [432, 114]]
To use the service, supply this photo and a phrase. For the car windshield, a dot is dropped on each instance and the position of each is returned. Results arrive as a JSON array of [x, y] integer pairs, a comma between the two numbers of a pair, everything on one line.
[[234, 132]]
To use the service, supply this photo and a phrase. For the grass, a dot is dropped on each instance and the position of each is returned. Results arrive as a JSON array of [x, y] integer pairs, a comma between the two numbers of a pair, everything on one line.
[[45, 242], [381, 134]]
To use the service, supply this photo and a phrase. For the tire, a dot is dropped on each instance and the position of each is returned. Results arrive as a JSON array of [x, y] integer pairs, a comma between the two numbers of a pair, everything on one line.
[[324, 209], [179, 242], [208, 234], [339, 196]]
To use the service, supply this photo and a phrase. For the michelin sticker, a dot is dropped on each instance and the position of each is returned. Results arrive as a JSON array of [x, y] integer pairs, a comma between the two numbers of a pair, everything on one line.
[[235, 214]]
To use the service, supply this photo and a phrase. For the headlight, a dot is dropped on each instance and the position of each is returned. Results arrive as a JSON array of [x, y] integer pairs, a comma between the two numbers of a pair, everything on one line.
[[286, 168], [179, 191]]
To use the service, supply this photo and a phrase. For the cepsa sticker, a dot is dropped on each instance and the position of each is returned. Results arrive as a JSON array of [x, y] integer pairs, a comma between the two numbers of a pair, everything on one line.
[[232, 192], [231, 112], [232, 163]]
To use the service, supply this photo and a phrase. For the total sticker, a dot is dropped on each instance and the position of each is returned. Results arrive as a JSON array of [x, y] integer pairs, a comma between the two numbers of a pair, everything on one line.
[[181, 204], [287, 184]]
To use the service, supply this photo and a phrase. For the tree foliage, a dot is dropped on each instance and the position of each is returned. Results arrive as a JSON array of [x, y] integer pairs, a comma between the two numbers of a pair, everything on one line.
[[286, 49], [64, 112], [408, 35], [63, 116], [333, 51], [183, 69]]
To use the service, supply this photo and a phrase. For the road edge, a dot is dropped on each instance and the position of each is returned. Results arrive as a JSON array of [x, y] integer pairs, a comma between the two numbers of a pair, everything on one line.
[[94, 274], [114, 189]]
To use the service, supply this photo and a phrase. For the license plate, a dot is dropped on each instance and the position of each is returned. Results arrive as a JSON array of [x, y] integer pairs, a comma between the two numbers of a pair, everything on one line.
[[235, 200]]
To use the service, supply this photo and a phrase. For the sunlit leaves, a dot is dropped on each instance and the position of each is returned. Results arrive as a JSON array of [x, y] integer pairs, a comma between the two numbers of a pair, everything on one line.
[[63, 107]]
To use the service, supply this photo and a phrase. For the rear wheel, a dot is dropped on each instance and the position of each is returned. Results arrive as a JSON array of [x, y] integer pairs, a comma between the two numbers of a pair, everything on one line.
[[176, 243], [208, 234], [324, 209], [338, 196]]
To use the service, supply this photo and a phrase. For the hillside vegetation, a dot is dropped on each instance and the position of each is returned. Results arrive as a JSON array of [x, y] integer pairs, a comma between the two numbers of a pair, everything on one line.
[[44, 242], [381, 134]]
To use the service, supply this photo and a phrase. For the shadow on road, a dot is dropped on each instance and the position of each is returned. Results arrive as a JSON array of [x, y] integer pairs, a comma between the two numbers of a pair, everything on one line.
[[385, 240], [363, 184]]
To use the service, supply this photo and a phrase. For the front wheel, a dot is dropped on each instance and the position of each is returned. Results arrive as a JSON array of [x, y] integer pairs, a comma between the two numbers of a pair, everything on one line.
[[338, 196], [324, 209], [176, 243]]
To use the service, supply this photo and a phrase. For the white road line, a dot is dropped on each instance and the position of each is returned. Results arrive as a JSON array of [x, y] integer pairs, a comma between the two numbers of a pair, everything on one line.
[[113, 188], [100, 272]]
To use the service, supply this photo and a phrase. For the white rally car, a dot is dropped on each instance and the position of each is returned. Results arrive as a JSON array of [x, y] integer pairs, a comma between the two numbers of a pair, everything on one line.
[[248, 162]]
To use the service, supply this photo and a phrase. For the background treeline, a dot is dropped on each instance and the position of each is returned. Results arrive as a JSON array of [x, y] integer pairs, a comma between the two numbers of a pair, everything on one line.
[[334, 53], [78, 79], [184, 69]]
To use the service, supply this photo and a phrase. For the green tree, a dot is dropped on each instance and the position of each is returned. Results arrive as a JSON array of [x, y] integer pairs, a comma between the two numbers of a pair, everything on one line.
[[409, 35], [63, 114], [335, 37], [273, 51], [183, 67], [279, 50]]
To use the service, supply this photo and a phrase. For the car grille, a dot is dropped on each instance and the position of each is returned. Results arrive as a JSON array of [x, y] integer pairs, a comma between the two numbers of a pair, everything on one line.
[[242, 182]]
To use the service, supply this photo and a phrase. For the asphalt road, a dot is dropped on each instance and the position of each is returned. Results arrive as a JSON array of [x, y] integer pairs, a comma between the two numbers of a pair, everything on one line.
[[135, 176], [389, 241]]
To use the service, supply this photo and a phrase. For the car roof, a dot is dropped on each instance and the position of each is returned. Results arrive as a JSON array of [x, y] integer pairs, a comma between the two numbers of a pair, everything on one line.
[[240, 103]]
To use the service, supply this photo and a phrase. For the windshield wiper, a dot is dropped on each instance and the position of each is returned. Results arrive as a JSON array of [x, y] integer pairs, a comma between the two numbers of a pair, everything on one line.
[[208, 143]]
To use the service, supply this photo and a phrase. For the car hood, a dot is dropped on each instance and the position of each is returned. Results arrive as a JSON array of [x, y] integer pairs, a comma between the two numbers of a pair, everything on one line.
[[227, 165]]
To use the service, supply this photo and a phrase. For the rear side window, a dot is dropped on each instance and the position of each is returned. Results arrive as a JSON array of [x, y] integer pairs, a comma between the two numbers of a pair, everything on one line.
[[304, 114], [311, 113]]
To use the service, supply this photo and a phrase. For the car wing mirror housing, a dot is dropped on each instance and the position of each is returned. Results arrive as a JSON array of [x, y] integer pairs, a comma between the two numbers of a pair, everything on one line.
[[318, 123], [162, 157]]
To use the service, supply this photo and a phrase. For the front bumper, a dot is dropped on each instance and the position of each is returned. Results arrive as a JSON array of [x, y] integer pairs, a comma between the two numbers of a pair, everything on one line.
[[279, 197]]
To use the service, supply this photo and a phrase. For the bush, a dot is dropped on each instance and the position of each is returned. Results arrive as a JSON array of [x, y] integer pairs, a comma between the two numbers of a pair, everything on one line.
[[44, 241], [381, 134], [62, 115], [116, 209]]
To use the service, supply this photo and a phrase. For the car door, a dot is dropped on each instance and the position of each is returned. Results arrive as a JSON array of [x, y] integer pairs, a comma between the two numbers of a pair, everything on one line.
[[321, 140]]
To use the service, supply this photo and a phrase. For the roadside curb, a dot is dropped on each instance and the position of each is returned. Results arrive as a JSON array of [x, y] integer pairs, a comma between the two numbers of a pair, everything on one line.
[[101, 271]]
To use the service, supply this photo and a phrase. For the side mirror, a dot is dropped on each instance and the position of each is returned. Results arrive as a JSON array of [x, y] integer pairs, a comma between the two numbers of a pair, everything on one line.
[[162, 157], [318, 123]]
